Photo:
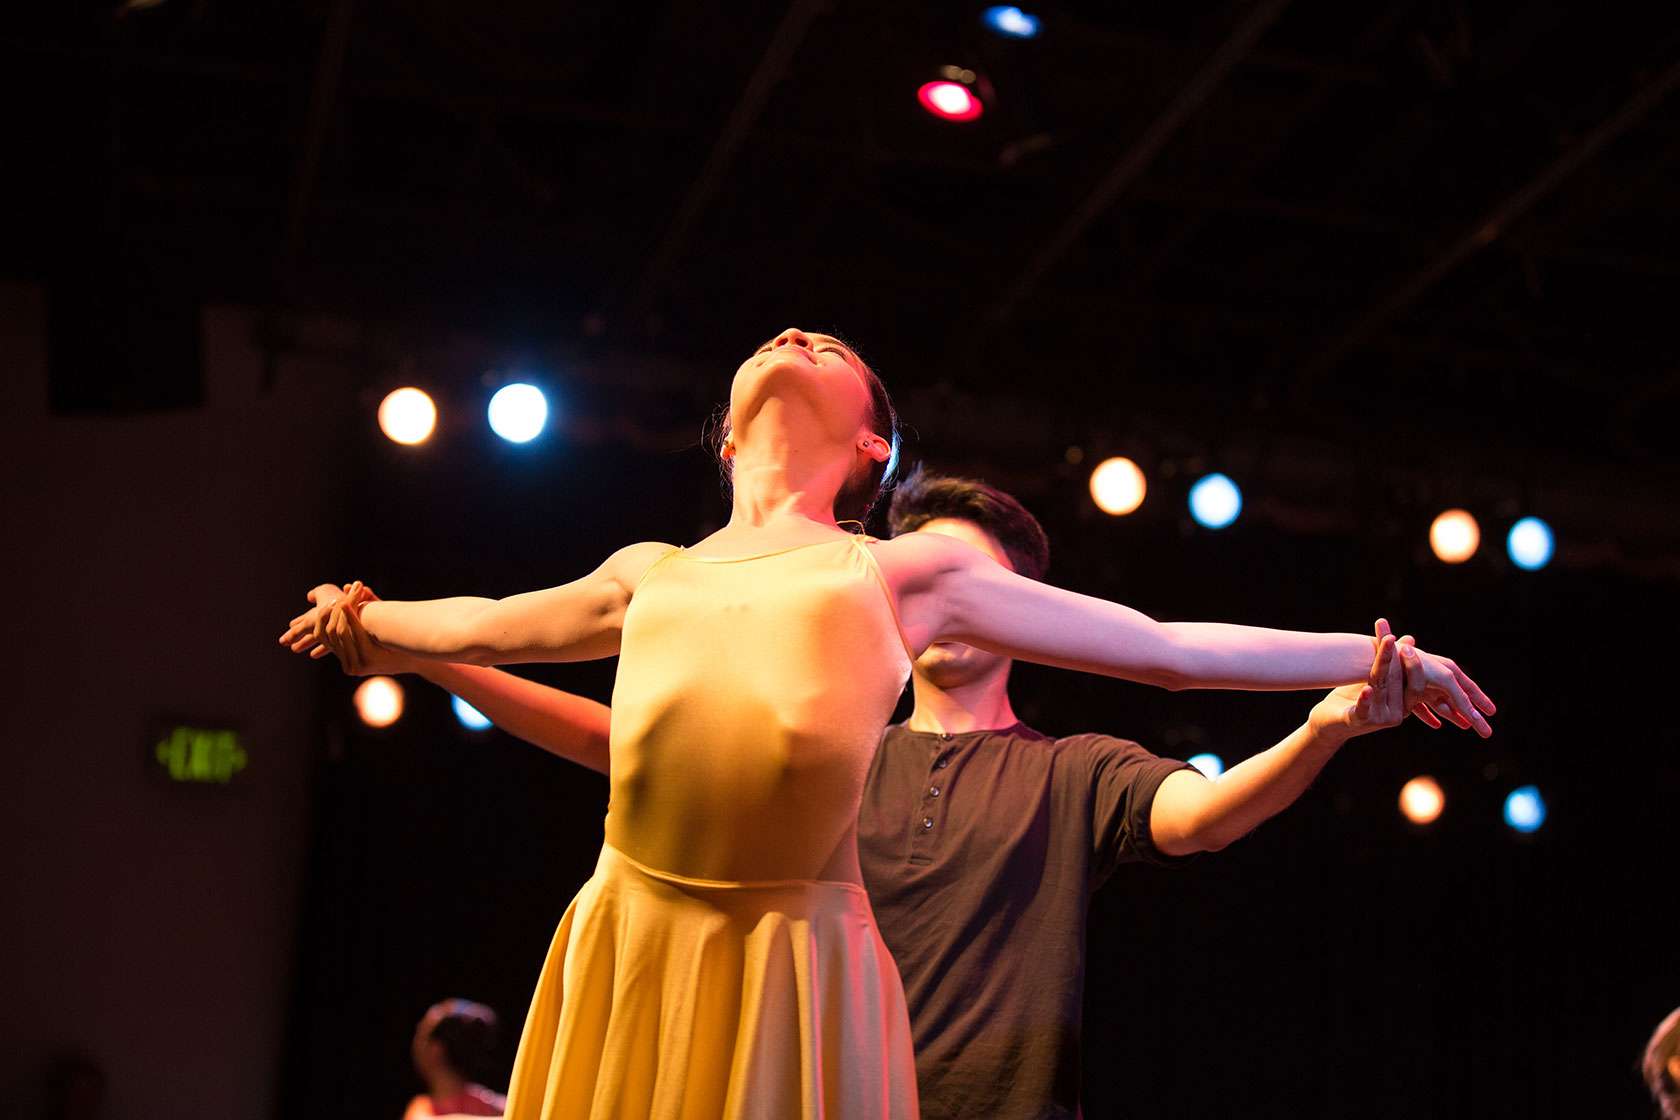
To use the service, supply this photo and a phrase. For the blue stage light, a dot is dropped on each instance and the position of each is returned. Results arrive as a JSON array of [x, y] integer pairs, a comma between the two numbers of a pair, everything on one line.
[[471, 718], [1525, 810], [1211, 765], [1215, 501], [518, 412], [1530, 543], [1010, 21]]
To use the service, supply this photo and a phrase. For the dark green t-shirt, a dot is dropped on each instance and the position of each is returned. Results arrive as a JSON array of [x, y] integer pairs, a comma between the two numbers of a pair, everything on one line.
[[980, 852]]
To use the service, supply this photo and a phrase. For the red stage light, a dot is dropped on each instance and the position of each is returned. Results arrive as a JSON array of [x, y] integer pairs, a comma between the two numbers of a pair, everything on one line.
[[950, 101]]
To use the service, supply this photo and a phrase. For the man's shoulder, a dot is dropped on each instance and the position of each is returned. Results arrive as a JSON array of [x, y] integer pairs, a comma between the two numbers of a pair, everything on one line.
[[1096, 743]]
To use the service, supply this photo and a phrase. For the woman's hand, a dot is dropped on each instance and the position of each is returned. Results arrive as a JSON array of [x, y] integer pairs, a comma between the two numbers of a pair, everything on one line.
[[307, 631], [1449, 693]]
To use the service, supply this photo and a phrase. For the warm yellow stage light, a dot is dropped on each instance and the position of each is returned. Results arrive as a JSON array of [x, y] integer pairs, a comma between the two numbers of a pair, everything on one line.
[[407, 415], [1455, 536], [1117, 486], [379, 701], [1421, 800]]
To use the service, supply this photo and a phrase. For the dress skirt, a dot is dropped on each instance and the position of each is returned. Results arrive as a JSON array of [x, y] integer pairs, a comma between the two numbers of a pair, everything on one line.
[[692, 999]]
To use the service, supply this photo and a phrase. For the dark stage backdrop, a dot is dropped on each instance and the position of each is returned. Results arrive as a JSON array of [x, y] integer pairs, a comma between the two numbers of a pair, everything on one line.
[[1337, 963]]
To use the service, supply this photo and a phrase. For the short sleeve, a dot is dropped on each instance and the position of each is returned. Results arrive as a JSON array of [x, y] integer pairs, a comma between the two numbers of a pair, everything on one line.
[[1123, 780]]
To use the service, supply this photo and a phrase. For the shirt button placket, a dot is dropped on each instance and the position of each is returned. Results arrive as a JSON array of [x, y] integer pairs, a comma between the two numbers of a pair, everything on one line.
[[940, 762]]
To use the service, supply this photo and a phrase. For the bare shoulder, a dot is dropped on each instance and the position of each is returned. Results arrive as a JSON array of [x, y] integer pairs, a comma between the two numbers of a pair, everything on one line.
[[915, 559], [628, 565]]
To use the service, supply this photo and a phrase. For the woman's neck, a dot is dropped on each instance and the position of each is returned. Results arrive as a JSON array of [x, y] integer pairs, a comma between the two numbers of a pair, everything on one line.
[[765, 506], [789, 462], [772, 488]]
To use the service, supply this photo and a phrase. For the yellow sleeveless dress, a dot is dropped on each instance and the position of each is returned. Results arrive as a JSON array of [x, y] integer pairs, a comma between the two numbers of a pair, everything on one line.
[[713, 967]]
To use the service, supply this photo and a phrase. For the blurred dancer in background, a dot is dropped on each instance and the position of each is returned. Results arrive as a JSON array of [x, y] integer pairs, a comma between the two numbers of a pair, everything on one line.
[[1662, 1065], [452, 1046]]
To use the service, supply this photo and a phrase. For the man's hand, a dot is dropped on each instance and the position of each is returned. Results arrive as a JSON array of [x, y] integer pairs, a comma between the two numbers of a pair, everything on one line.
[[358, 652], [1398, 684]]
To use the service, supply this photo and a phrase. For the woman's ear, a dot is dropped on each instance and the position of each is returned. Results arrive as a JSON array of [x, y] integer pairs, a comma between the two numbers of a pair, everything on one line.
[[876, 448]]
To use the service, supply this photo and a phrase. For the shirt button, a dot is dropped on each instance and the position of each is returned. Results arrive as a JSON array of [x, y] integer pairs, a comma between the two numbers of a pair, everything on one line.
[[927, 822], [946, 736], [934, 791], [944, 761]]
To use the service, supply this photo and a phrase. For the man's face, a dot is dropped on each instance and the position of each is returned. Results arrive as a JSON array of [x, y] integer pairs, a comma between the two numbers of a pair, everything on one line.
[[952, 664]]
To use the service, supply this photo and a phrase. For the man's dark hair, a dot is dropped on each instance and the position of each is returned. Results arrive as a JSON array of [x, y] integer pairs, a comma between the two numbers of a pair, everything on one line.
[[467, 1033], [921, 497]]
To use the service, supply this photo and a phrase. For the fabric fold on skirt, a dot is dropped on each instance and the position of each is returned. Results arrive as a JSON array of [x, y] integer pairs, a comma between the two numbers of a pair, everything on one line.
[[690, 999]]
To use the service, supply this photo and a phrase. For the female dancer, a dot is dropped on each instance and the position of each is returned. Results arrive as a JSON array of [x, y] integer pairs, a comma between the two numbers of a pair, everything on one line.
[[723, 960]]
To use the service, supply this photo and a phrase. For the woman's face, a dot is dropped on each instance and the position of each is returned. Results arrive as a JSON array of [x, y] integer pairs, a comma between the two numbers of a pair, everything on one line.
[[824, 366]]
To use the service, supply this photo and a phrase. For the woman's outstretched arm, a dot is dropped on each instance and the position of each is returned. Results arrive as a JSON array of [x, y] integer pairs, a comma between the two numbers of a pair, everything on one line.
[[573, 727], [576, 621], [948, 591]]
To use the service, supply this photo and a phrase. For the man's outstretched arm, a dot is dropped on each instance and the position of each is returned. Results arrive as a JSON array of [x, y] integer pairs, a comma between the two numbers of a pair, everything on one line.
[[1192, 814], [562, 723]]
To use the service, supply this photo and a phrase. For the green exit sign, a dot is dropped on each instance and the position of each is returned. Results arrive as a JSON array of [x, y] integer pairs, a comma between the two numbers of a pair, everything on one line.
[[200, 756]]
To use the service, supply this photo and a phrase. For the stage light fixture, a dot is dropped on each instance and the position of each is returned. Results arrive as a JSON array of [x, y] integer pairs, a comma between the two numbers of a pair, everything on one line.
[[379, 701], [1530, 544], [518, 412], [1117, 486], [951, 97], [471, 718], [407, 416], [1525, 809], [1210, 764], [1010, 22], [1215, 501], [1455, 536], [1421, 800]]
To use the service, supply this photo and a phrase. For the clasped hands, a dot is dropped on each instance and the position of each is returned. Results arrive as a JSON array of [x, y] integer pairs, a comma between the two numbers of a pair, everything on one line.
[[334, 626], [1405, 679]]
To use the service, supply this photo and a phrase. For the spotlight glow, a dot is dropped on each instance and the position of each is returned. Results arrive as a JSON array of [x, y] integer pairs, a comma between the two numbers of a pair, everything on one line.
[[407, 416], [1530, 544], [1421, 800], [1117, 486], [1215, 501], [471, 718], [950, 101], [1010, 21], [1525, 809], [1455, 536], [1211, 765], [379, 701], [518, 412]]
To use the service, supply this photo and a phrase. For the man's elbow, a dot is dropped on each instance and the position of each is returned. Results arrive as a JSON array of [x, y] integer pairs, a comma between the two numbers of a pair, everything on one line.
[[1192, 842], [1211, 840]]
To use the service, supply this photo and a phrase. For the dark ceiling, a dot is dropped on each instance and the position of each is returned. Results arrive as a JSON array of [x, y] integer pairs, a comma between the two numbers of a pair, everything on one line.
[[1437, 241]]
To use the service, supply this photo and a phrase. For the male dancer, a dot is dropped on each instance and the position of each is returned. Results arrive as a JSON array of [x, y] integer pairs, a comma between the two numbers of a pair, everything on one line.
[[981, 840]]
